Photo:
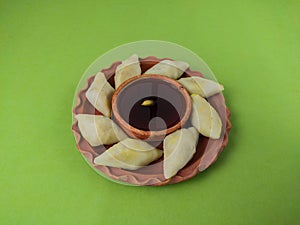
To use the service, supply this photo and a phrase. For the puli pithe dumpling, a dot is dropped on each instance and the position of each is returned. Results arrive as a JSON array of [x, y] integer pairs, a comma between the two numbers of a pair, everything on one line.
[[205, 118], [128, 68], [201, 86], [98, 130], [179, 148], [100, 94], [130, 154], [172, 69]]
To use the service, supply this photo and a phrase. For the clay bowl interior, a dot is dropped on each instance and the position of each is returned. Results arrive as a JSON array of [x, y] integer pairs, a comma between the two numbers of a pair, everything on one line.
[[206, 153], [170, 110]]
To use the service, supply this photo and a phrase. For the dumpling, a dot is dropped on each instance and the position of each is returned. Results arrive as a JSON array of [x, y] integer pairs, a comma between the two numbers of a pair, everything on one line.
[[179, 148], [205, 118], [127, 69], [100, 93], [201, 86], [172, 69], [129, 154], [98, 130]]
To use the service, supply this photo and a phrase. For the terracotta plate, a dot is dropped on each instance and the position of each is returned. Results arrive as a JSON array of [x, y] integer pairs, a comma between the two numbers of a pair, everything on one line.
[[207, 149]]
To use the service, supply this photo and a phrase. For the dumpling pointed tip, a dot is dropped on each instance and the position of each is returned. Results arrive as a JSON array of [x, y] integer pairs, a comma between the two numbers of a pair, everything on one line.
[[134, 56], [96, 161], [168, 175]]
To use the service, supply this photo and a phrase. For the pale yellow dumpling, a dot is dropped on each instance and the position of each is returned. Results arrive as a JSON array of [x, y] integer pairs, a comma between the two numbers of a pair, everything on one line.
[[128, 68], [201, 86], [98, 130], [179, 148], [129, 154], [205, 118], [100, 94], [172, 69]]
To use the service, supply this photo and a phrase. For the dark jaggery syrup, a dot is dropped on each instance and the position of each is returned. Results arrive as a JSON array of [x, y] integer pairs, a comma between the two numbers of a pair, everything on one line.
[[166, 109]]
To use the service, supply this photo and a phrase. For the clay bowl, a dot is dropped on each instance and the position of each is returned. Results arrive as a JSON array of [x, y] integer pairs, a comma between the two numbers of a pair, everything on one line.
[[173, 104], [207, 151]]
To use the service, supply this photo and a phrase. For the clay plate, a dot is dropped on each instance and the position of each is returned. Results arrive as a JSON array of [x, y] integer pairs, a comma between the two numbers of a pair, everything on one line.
[[207, 149]]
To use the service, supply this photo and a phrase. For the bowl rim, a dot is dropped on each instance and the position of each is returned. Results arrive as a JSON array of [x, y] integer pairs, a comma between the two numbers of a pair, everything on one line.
[[151, 135]]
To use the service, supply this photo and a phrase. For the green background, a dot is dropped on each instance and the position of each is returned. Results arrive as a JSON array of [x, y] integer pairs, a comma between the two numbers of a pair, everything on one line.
[[253, 47]]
